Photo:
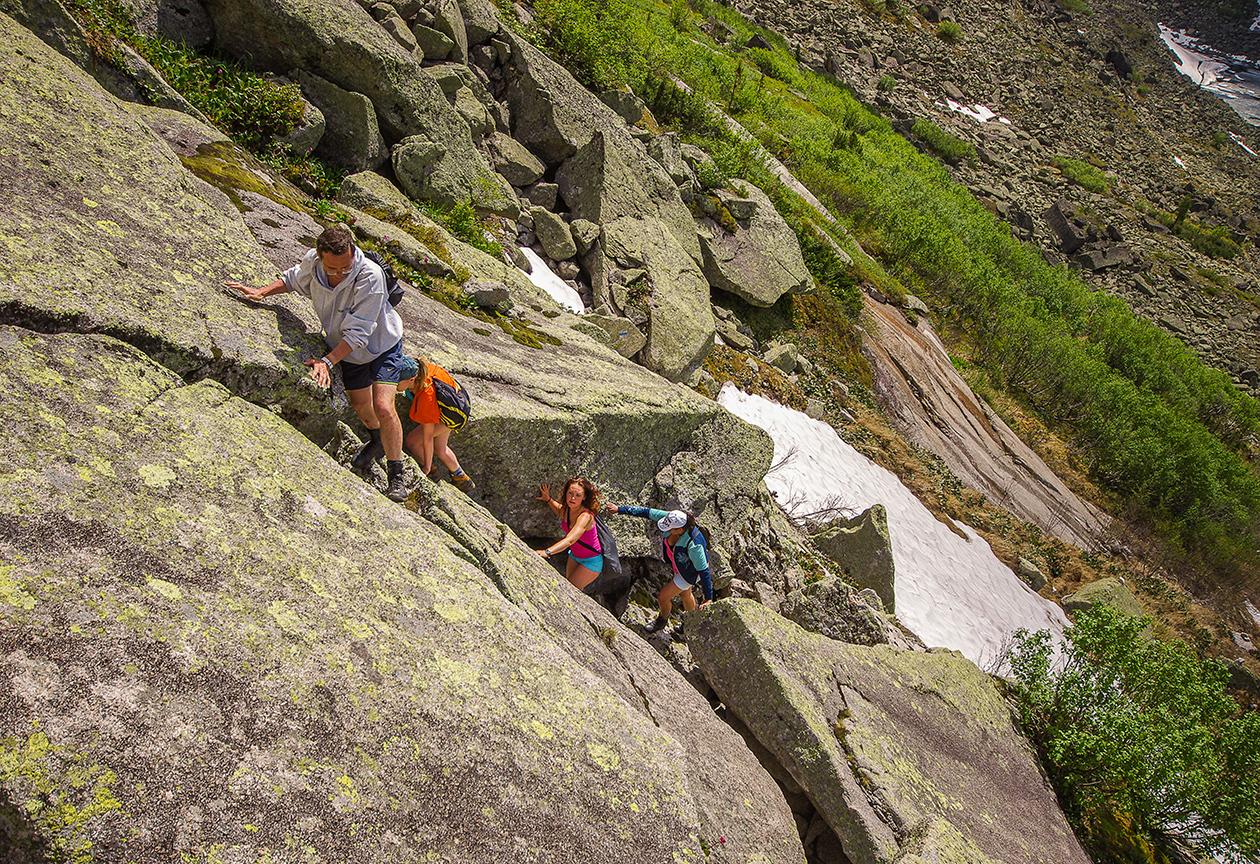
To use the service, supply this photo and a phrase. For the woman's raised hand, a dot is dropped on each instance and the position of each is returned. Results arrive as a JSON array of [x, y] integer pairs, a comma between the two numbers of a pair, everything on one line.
[[610, 509], [544, 492]]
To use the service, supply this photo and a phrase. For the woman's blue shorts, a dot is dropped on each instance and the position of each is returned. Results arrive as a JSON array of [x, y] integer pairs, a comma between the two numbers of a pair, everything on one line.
[[595, 563]]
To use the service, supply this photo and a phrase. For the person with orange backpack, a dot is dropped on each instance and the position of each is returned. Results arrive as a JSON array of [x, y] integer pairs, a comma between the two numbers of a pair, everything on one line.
[[439, 406]]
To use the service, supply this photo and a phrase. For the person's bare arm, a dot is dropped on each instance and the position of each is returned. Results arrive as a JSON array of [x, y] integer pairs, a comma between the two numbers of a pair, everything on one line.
[[582, 524], [277, 287]]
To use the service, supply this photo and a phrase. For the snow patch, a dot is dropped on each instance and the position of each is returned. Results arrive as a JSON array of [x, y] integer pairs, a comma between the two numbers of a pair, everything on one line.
[[1254, 613], [977, 112], [559, 290], [1177, 159], [1240, 143], [950, 590]]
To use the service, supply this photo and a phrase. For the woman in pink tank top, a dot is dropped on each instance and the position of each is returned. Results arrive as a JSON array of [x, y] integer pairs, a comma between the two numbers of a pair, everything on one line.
[[576, 509]]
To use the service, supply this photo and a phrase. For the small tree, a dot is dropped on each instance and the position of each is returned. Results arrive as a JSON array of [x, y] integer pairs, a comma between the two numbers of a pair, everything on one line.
[[1135, 725]]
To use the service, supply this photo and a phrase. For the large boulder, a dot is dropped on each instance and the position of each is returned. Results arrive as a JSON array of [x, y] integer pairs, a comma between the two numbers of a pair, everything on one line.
[[761, 259], [430, 171], [669, 294], [219, 639], [903, 753], [352, 138], [510, 158], [340, 42], [109, 232], [1109, 591], [862, 547], [835, 610], [608, 179]]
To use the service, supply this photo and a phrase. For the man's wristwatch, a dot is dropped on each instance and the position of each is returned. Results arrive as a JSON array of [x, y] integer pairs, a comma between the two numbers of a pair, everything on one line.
[[327, 362]]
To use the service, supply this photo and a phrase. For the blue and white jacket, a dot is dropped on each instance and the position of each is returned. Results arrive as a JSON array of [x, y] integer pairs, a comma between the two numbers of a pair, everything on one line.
[[693, 566]]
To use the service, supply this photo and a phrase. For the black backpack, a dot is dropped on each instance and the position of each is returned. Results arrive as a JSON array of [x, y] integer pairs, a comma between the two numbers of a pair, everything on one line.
[[395, 293], [453, 403], [608, 547]]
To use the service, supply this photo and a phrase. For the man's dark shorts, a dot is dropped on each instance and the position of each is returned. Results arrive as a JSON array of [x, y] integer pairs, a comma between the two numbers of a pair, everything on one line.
[[385, 369]]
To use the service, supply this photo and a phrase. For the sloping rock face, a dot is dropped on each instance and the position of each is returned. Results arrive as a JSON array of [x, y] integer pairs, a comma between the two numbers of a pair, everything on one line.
[[106, 231], [902, 753], [1109, 592], [932, 406], [761, 261], [203, 651]]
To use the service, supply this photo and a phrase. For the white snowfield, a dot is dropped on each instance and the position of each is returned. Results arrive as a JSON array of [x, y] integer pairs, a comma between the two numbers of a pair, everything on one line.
[[952, 592], [559, 290]]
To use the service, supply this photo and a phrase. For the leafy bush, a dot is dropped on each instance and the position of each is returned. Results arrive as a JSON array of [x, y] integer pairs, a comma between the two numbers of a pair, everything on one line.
[[602, 42], [941, 142], [1134, 725], [887, 83], [949, 31], [1082, 174]]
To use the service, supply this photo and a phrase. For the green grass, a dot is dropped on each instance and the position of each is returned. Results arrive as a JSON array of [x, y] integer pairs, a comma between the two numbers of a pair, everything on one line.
[[1083, 174], [949, 31], [948, 147]]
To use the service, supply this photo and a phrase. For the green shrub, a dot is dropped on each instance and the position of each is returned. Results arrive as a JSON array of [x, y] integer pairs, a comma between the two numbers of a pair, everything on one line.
[[887, 83], [604, 43], [1134, 725], [1219, 139], [313, 176], [1082, 174], [1077, 7], [949, 31], [943, 144], [463, 222]]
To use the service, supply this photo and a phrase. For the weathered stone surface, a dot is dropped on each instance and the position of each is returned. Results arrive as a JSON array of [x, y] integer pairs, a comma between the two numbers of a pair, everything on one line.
[[862, 547], [1109, 591], [1108, 256], [370, 191], [132, 231], [481, 20], [625, 338], [309, 131], [680, 319], [183, 21], [628, 106], [429, 171], [761, 261], [782, 356], [667, 150], [1059, 216], [474, 113], [517, 165], [394, 24], [434, 44], [903, 753], [448, 19], [353, 138], [340, 43], [833, 609], [553, 233], [460, 658], [933, 406], [486, 293], [1029, 572], [607, 180]]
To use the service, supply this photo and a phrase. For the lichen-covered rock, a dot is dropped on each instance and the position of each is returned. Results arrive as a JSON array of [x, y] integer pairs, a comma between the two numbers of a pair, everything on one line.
[[862, 547], [517, 165], [1109, 591], [903, 753], [481, 20], [607, 180], [433, 44], [833, 609], [221, 644], [352, 138], [553, 233], [622, 335], [761, 261], [671, 294], [140, 245], [431, 171], [448, 19]]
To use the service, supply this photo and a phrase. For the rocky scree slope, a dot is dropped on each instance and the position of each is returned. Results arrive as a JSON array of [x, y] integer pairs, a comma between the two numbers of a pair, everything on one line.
[[1096, 85]]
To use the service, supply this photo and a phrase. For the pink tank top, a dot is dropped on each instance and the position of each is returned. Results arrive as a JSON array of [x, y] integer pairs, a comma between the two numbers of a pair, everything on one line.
[[587, 546]]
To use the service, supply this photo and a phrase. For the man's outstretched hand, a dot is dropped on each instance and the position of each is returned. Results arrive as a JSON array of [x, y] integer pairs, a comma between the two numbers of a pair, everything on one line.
[[254, 294], [319, 371]]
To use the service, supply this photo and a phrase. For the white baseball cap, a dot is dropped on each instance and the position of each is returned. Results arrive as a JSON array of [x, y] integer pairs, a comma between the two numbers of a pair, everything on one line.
[[671, 520]]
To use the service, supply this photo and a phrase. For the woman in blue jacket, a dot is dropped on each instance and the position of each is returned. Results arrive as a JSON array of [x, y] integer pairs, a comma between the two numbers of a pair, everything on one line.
[[683, 548]]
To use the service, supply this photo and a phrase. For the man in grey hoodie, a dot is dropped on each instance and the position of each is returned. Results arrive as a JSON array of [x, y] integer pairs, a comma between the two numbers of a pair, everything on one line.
[[364, 333]]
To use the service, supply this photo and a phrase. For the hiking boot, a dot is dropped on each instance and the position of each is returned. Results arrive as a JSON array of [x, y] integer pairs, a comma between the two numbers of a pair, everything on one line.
[[368, 453], [434, 474], [463, 483], [397, 489], [658, 625]]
